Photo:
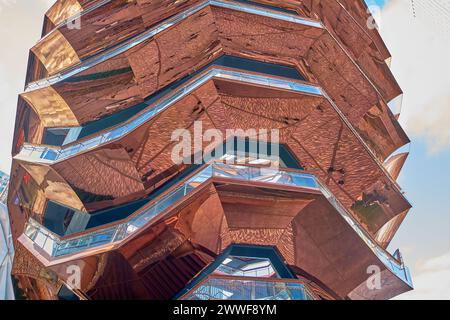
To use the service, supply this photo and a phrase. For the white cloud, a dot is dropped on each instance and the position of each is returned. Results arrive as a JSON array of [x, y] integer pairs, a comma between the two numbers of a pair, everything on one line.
[[421, 64], [431, 280], [20, 28]]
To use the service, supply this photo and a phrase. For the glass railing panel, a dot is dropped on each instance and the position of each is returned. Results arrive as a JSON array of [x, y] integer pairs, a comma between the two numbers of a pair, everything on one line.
[[269, 81], [138, 39], [201, 177], [254, 8], [386, 258], [144, 218], [39, 235], [40, 238], [230, 289], [170, 199], [231, 171], [103, 237], [50, 155], [50, 243], [304, 180], [246, 267], [114, 134], [91, 143], [140, 220], [58, 154], [85, 242]]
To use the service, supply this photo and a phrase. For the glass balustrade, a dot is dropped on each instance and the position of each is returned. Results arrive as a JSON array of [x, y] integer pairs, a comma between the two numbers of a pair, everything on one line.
[[216, 288], [55, 247], [246, 267], [400, 270], [110, 53], [48, 154], [45, 239], [82, 13]]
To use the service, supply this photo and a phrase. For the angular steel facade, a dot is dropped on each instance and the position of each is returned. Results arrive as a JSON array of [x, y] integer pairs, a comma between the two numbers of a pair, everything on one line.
[[100, 210]]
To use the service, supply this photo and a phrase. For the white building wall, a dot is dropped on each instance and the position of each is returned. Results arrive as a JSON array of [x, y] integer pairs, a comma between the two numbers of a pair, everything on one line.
[[6, 247]]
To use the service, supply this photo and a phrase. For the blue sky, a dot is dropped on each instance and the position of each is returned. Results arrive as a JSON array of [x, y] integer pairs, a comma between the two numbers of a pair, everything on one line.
[[376, 2], [420, 50], [426, 181], [420, 64]]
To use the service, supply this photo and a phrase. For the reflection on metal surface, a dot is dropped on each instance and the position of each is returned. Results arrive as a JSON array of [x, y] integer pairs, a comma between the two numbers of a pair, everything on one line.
[[55, 247], [240, 277], [246, 267], [95, 135], [386, 258], [62, 10], [50, 155], [63, 16], [387, 232], [54, 186], [233, 288], [110, 53], [51, 108], [55, 52], [395, 164], [65, 136]]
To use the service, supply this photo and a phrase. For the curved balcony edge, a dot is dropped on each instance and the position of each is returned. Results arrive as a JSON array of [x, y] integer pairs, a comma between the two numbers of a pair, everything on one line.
[[51, 155], [52, 248], [136, 40], [77, 15]]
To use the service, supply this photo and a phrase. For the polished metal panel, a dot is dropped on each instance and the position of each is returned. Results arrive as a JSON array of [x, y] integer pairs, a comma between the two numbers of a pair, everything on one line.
[[395, 164], [108, 54], [63, 10], [55, 52], [238, 266], [62, 16], [55, 247], [328, 225], [49, 155], [382, 140], [52, 109], [51, 243], [233, 288]]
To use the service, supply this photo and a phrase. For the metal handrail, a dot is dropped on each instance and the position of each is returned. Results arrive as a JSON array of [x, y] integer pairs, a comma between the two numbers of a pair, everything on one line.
[[51, 154], [75, 16], [209, 287], [54, 247], [138, 39]]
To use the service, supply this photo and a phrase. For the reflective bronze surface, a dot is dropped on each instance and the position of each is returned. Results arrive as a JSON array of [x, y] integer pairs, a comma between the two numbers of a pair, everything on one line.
[[119, 81], [123, 58], [305, 229]]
